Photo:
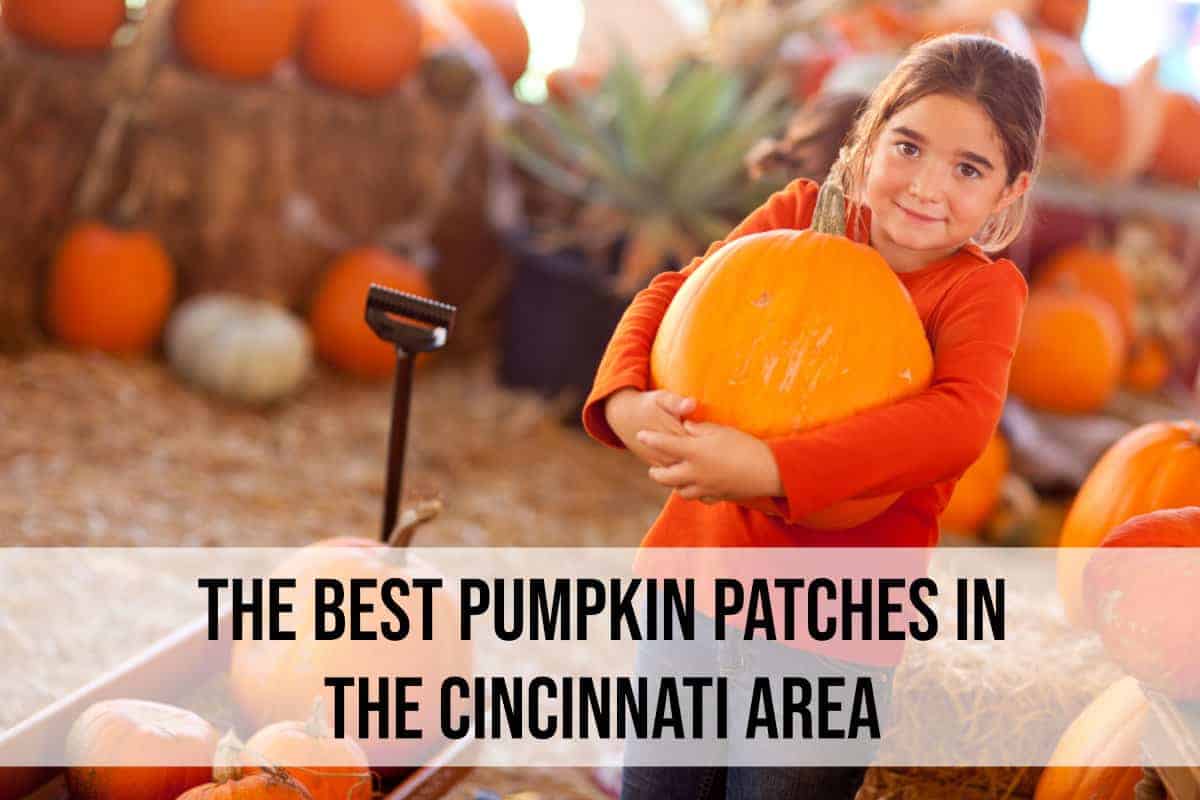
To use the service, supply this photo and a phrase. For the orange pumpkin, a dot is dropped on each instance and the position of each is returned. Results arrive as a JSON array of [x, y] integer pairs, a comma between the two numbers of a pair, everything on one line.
[[977, 492], [1069, 353], [1106, 734], [1177, 156], [109, 290], [331, 769], [80, 26], [1064, 16], [1098, 272], [280, 680], [340, 332], [1148, 367], [1084, 119], [238, 39], [1150, 468], [365, 47], [230, 781], [786, 330], [498, 28], [138, 750], [1143, 602]]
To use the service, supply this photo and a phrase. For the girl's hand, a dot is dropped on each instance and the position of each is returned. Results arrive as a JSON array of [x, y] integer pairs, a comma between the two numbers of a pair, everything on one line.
[[629, 411], [712, 463]]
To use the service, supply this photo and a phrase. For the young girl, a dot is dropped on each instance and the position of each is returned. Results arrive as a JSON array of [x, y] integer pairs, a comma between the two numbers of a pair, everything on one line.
[[936, 174]]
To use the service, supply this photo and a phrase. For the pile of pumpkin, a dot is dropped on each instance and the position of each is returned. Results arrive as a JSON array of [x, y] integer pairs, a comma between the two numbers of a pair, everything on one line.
[[365, 47], [115, 291], [1143, 494], [132, 749]]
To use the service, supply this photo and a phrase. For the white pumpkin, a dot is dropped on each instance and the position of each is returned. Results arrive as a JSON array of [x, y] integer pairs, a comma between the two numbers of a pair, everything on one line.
[[246, 350]]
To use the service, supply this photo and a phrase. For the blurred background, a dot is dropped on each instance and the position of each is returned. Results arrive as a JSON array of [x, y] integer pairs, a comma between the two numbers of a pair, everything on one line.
[[196, 194]]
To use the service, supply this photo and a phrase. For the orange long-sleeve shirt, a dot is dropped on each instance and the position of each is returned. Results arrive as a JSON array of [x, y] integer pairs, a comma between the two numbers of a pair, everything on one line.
[[971, 308]]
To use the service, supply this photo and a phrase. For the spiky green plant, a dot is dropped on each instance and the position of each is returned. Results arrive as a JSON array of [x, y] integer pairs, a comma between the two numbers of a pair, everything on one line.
[[662, 166]]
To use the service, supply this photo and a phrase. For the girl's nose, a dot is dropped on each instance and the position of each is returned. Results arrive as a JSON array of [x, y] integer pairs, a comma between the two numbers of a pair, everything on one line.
[[927, 184]]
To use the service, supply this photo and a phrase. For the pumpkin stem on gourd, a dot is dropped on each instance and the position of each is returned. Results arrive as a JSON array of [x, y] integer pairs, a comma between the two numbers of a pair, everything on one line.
[[830, 214], [227, 764], [317, 727]]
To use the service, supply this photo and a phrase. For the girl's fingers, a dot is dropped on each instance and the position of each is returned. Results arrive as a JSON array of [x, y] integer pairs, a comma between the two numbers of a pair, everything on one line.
[[674, 404], [666, 444], [693, 491], [675, 476]]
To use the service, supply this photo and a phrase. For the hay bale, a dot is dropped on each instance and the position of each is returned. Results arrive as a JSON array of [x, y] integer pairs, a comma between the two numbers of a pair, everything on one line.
[[54, 107]]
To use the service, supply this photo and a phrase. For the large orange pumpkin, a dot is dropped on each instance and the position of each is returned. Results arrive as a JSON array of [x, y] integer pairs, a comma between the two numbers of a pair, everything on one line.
[[1064, 16], [71, 25], [1095, 271], [364, 47], [238, 39], [109, 290], [1177, 157], [1098, 757], [1069, 354], [280, 680], [330, 768], [1084, 119], [786, 330], [498, 28], [1150, 468], [977, 492], [1144, 602], [340, 332], [1148, 366], [138, 750]]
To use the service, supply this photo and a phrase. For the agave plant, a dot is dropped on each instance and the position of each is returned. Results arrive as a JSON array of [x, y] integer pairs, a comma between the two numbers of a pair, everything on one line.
[[661, 168]]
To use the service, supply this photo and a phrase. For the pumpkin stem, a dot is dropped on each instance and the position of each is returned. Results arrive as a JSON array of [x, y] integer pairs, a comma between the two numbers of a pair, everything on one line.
[[412, 518], [227, 764], [317, 727], [830, 214]]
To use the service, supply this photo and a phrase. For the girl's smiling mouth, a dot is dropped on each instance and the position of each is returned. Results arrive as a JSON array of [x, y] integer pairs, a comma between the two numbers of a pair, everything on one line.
[[917, 217]]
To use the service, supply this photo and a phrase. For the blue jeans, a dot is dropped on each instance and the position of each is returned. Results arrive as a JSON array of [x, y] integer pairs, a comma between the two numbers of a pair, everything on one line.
[[801, 767]]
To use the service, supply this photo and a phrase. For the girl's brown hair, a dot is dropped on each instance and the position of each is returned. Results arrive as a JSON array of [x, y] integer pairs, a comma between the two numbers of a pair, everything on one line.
[[1005, 84]]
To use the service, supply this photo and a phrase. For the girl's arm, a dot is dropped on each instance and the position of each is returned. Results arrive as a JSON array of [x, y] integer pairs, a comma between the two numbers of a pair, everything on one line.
[[927, 438], [626, 361]]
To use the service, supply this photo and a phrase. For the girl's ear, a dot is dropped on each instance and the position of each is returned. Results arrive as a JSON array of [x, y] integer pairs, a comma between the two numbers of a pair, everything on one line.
[[1013, 191]]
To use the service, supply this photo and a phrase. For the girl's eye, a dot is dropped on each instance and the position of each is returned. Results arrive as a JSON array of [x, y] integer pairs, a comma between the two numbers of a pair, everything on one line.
[[968, 171], [907, 149]]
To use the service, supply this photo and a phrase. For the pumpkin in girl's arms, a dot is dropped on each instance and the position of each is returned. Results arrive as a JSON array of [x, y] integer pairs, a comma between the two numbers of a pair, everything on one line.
[[1070, 352], [1177, 156], [109, 290], [364, 47], [1148, 366], [1150, 468], [330, 768], [80, 26], [1095, 271], [251, 351], [238, 39], [230, 781], [1099, 756], [498, 28], [168, 751], [341, 333], [1143, 603], [977, 492], [785, 330], [1084, 120]]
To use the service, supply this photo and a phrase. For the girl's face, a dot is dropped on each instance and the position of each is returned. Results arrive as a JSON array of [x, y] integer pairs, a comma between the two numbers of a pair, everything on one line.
[[934, 176]]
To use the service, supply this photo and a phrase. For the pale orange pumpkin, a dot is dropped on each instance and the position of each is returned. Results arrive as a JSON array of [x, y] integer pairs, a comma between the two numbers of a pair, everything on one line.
[[340, 332], [1177, 156], [138, 750], [365, 47], [330, 768], [1148, 366], [1095, 271], [1084, 119], [280, 680], [498, 28], [1106, 734], [81, 26], [1064, 16], [109, 290], [1070, 352], [786, 330], [977, 492], [1150, 468], [238, 39]]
